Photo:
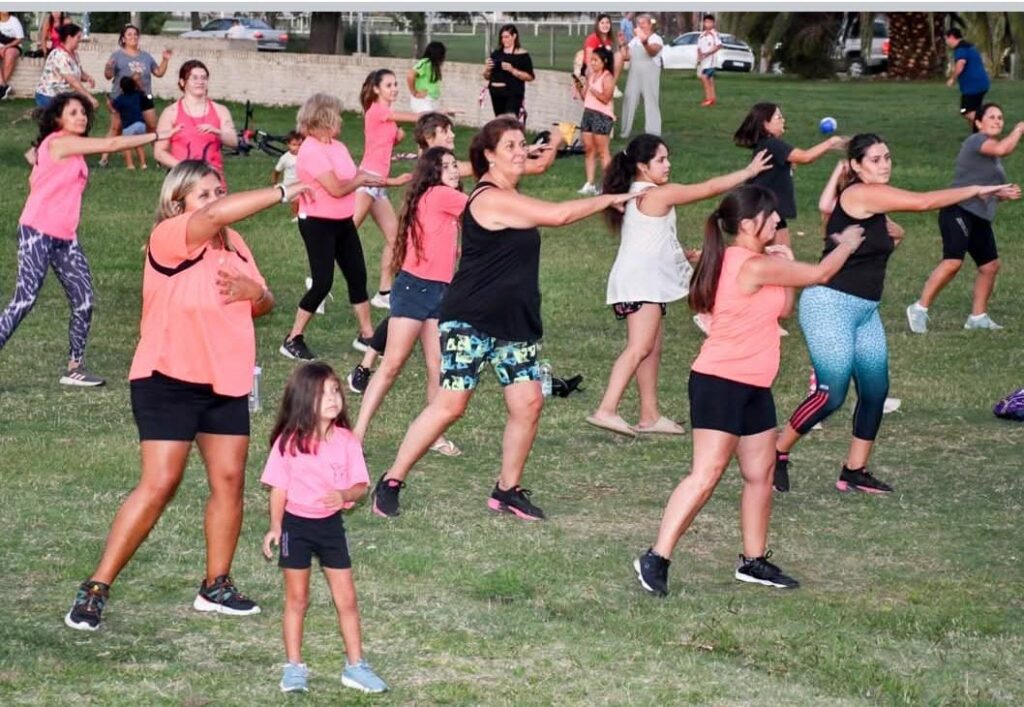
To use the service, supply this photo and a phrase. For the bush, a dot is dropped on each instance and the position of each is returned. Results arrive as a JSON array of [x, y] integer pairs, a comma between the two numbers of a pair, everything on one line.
[[378, 44]]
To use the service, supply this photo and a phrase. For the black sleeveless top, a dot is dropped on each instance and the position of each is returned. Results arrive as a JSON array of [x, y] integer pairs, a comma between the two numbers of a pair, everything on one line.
[[496, 288], [863, 273]]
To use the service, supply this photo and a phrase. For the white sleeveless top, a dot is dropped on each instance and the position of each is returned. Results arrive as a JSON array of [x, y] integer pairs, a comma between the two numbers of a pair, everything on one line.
[[651, 265]]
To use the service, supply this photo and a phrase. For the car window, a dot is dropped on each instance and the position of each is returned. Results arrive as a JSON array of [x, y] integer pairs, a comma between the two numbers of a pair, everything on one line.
[[256, 24], [881, 31], [685, 40]]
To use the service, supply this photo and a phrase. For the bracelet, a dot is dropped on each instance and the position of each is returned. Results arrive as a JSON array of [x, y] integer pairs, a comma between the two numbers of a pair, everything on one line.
[[156, 137], [284, 192]]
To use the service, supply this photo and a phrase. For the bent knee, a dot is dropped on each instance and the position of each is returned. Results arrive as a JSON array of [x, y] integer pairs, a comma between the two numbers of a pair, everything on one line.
[[990, 268]]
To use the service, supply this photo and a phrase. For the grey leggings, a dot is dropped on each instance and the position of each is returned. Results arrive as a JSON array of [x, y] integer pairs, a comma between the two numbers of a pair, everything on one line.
[[37, 252]]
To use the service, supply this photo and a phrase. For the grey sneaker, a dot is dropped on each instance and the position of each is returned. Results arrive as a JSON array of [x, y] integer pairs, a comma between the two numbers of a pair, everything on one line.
[[360, 676], [81, 377], [293, 678], [981, 322], [917, 318]]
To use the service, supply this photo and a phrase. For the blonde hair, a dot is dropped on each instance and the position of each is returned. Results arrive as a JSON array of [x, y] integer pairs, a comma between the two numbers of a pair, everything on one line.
[[178, 183], [320, 111]]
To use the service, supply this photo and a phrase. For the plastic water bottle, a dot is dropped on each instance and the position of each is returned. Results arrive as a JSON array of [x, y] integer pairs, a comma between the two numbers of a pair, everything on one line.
[[254, 395], [545, 378]]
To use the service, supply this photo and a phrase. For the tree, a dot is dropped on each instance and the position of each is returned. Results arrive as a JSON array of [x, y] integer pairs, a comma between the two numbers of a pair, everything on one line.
[[801, 41], [194, 20], [325, 30], [916, 45]]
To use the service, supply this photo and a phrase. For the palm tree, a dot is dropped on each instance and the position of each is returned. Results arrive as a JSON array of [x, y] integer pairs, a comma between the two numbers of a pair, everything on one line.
[[916, 47]]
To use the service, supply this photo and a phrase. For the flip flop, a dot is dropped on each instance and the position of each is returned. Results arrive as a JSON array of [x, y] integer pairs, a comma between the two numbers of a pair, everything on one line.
[[663, 426], [445, 447], [616, 425]]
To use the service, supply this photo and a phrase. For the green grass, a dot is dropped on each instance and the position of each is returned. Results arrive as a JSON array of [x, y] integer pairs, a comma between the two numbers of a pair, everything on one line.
[[911, 599]]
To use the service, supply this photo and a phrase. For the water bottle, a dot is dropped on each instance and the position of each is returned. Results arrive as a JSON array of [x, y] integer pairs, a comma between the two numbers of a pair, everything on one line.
[[545, 379], [254, 395]]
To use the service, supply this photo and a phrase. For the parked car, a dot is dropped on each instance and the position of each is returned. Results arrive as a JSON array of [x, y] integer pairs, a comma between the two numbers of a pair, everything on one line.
[[735, 54], [848, 52], [267, 38]]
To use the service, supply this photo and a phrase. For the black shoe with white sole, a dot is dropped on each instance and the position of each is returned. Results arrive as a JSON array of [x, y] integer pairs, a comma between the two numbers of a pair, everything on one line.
[[758, 570], [295, 348], [86, 611], [223, 597], [652, 572]]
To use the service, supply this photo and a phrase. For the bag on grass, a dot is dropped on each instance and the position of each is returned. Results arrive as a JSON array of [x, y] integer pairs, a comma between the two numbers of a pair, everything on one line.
[[1011, 407]]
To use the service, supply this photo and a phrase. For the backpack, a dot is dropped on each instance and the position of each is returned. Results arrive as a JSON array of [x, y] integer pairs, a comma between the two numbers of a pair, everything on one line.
[[1011, 407]]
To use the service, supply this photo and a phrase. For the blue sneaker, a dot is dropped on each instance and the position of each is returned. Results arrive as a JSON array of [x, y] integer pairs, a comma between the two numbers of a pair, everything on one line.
[[361, 677], [293, 678]]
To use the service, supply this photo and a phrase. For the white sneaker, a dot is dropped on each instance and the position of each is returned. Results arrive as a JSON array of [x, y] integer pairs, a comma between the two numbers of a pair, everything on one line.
[[587, 189], [381, 301], [703, 322], [917, 318], [891, 405], [981, 322]]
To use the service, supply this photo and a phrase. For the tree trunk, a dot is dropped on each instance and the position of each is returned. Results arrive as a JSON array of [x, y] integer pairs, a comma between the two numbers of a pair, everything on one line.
[[323, 32], [195, 21], [916, 46]]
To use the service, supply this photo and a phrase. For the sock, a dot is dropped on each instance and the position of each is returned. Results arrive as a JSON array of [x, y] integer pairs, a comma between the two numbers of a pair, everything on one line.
[[976, 317], [384, 292], [920, 306]]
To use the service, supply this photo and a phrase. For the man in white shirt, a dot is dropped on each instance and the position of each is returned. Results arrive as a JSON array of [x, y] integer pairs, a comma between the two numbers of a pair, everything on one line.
[[643, 53], [708, 44], [11, 37]]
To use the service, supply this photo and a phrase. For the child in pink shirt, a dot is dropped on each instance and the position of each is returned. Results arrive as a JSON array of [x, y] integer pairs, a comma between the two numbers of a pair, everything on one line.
[[315, 469]]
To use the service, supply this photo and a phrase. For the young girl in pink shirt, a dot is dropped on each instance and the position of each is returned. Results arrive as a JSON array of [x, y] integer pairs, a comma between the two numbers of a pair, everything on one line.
[[425, 260], [315, 469]]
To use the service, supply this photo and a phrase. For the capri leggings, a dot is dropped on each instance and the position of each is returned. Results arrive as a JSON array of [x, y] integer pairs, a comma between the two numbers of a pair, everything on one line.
[[37, 253], [846, 340], [330, 241]]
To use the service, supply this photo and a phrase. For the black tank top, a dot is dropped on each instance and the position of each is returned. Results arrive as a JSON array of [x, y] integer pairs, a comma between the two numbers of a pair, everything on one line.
[[863, 274], [496, 288]]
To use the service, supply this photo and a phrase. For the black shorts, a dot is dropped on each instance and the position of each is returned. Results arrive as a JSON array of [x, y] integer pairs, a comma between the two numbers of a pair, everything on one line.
[[302, 538], [169, 409], [596, 122], [737, 408], [146, 103], [971, 102], [964, 232]]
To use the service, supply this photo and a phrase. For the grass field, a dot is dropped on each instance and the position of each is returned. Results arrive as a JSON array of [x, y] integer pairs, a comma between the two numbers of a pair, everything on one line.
[[911, 599]]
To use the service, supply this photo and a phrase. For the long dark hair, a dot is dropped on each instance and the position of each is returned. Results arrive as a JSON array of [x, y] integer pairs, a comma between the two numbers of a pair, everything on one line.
[[366, 95], [856, 150], [296, 429], [746, 202], [751, 130], [511, 29], [427, 174], [621, 171], [488, 139], [128, 85], [435, 52], [49, 117], [604, 39], [607, 58], [980, 114]]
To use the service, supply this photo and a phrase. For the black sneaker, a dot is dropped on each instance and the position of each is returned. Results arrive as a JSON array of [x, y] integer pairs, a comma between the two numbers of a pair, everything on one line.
[[358, 379], [223, 597], [861, 480], [295, 348], [385, 497], [514, 501], [87, 610], [4, 90], [758, 570], [781, 480], [361, 343], [652, 571]]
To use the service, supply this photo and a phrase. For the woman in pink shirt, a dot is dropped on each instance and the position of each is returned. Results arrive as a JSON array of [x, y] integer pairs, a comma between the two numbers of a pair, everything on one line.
[[205, 126], [48, 227], [381, 134], [425, 260], [190, 379], [597, 92], [747, 286]]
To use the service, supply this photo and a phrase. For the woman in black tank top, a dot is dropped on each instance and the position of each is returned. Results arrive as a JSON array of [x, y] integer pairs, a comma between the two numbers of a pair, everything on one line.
[[491, 315], [840, 319]]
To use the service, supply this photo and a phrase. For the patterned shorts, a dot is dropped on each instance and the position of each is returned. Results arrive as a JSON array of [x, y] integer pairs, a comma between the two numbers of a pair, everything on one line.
[[596, 122], [624, 309], [465, 349]]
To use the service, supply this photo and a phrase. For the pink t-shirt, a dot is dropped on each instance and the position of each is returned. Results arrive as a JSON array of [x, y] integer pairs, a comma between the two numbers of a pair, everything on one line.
[[743, 345], [596, 83], [54, 204], [316, 158], [438, 215], [335, 464], [381, 134]]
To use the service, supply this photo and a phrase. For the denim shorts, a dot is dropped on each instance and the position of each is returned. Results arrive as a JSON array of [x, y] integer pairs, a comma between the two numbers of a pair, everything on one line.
[[415, 298], [134, 129]]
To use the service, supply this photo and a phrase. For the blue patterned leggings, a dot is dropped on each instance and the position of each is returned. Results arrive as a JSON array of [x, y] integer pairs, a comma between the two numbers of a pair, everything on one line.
[[846, 340], [37, 252]]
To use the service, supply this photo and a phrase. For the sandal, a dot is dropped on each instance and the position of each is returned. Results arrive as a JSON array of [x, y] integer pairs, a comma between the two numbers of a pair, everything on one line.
[[445, 447], [615, 424], [663, 426]]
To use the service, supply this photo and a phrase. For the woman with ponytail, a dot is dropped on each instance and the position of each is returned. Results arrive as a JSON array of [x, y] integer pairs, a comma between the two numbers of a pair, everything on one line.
[[747, 285], [650, 270], [840, 320]]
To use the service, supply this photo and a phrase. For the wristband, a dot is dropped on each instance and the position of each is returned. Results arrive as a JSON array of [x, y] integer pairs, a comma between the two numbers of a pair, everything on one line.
[[284, 192]]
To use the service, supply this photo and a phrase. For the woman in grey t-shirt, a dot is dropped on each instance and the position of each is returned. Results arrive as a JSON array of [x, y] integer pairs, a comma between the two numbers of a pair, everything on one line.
[[967, 227], [130, 60]]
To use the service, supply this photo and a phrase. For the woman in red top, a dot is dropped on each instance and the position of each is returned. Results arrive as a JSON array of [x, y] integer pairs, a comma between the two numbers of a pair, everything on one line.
[[206, 126], [191, 377], [601, 37], [747, 286]]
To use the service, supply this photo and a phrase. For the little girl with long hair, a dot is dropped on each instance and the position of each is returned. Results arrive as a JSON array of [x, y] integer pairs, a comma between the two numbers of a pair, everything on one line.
[[316, 469], [425, 261]]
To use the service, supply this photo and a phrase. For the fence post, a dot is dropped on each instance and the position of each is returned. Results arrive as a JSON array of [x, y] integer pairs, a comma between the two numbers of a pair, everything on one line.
[[551, 51]]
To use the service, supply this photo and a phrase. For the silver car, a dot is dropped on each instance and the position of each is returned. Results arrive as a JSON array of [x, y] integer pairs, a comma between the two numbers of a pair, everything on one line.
[[267, 38], [735, 54]]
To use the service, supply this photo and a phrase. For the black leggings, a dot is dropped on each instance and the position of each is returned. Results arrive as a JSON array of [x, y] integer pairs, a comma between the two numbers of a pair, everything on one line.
[[504, 100], [329, 241]]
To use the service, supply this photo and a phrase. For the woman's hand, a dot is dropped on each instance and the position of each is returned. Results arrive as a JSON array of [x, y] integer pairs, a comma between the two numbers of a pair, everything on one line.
[[368, 179], [780, 251], [619, 201], [1009, 193], [838, 142], [297, 189], [851, 236], [507, 66], [987, 192], [762, 162], [271, 539], [168, 134], [236, 287], [337, 500], [208, 129], [166, 56]]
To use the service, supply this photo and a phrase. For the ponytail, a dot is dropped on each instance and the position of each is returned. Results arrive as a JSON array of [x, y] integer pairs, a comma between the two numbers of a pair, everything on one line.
[[621, 172]]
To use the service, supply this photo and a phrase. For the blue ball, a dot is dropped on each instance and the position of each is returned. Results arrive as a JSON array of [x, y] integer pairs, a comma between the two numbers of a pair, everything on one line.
[[828, 125]]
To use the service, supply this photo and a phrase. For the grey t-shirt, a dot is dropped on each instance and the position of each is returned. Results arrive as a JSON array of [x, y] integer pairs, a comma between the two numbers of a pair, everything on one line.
[[972, 167], [126, 65]]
